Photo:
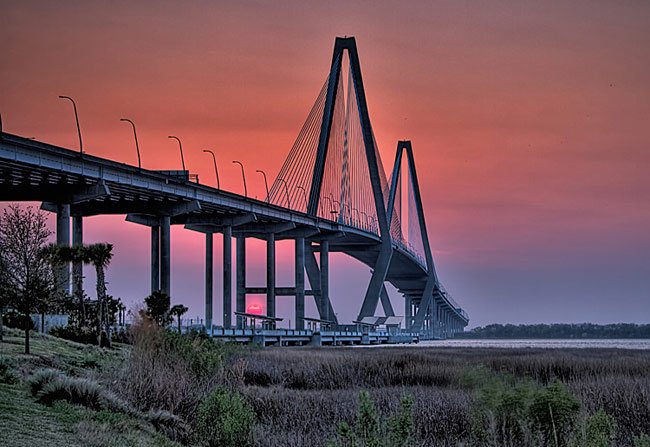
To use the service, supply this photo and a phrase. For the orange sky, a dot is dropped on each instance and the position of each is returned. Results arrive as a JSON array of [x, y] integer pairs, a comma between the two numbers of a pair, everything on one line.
[[530, 123]]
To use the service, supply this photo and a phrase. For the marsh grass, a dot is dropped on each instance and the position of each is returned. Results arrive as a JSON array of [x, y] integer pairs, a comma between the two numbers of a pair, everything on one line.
[[301, 395]]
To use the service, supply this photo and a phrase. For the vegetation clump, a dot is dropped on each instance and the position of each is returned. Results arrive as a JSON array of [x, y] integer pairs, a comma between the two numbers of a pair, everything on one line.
[[224, 419]]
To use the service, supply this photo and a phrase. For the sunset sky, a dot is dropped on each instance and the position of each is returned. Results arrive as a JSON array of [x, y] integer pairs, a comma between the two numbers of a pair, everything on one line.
[[530, 123]]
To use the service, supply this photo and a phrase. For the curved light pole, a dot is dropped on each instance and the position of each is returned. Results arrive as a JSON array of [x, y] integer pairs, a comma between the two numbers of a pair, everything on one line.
[[304, 194], [76, 118], [135, 135], [180, 145], [243, 176], [266, 184], [214, 159]]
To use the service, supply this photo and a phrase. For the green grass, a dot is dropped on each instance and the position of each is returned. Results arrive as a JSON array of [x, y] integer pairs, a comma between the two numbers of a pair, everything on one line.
[[24, 421], [52, 352]]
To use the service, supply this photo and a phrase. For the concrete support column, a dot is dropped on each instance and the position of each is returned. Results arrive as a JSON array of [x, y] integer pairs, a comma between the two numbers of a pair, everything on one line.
[[300, 283], [155, 258], [408, 313], [209, 276], [63, 240], [227, 277], [270, 274], [240, 304], [324, 279], [77, 267], [165, 255]]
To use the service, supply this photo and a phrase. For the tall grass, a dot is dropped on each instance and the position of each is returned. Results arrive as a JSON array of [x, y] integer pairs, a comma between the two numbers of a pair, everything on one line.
[[287, 387]]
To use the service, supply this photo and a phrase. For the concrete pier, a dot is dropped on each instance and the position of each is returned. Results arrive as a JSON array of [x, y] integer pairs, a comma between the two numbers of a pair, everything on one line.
[[270, 275], [324, 280], [155, 258], [63, 240], [240, 305], [77, 267], [227, 277], [165, 255], [300, 283], [209, 276]]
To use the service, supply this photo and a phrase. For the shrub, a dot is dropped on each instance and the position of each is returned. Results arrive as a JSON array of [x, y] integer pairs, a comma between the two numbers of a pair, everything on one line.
[[642, 440], [83, 334], [553, 411], [601, 430], [82, 392], [371, 431], [16, 320], [224, 419], [7, 374], [41, 378], [169, 424], [167, 371]]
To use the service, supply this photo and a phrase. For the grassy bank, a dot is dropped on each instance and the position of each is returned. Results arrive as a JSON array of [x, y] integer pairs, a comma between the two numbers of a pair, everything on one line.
[[24, 421]]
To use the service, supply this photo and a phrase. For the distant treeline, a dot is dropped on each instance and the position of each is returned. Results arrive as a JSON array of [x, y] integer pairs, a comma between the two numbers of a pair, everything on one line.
[[583, 330]]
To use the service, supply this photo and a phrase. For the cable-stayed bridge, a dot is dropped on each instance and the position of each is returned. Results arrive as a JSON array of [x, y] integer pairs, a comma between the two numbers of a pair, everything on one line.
[[332, 194]]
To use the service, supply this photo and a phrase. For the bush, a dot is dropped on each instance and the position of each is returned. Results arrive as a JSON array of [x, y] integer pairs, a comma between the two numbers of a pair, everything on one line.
[[371, 431], [7, 374], [600, 430], [169, 424], [224, 419], [83, 334], [16, 320], [553, 411], [84, 392], [167, 371], [41, 378], [642, 440]]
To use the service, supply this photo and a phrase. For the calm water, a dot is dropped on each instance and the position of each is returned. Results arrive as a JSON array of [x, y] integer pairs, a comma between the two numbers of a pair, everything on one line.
[[550, 344]]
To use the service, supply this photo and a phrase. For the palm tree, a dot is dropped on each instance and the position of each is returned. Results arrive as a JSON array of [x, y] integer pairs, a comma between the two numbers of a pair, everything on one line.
[[100, 256], [58, 255], [178, 310]]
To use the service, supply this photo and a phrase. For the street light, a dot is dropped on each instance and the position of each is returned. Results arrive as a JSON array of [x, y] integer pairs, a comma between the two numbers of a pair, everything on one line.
[[76, 118], [304, 194], [266, 184], [243, 176], [214, 159], [180, 145], [286, 190], [135, 135]]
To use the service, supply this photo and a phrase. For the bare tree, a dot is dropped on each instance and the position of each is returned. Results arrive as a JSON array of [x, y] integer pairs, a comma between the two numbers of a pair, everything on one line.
[[27, 276]]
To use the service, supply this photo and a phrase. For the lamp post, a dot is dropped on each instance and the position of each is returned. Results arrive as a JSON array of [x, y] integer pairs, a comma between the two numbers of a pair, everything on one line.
[[180, 146], [286, 190], [304, 194], [76, 118], [266, 184], [243, 176], [214, 159], [135, 135]]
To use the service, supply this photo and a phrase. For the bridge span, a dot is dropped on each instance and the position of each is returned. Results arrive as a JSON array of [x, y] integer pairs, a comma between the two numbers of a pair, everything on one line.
[[331, 195]]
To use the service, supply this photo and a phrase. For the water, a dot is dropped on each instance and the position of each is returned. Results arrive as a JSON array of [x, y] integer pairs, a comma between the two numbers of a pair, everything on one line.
[[544, 344]]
